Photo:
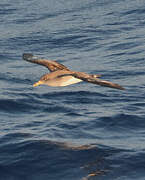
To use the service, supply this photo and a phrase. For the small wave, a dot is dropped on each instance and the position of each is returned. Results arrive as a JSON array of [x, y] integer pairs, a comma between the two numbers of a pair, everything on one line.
[[135, 12], [123, 121], [18, 105]]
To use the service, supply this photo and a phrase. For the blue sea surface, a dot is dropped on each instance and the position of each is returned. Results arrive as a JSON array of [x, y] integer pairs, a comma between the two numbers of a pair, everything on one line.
[[82, 131]]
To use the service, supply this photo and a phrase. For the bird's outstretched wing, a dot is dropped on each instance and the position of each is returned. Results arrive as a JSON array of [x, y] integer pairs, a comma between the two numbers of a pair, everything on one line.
[[95, 80], [51, 65], [91, 78]]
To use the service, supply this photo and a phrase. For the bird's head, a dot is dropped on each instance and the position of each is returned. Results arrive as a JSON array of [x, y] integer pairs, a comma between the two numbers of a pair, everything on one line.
[[43, 80]]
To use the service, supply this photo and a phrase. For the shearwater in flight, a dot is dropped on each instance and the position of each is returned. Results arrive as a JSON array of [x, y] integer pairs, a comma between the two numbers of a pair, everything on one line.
[[60, 75]]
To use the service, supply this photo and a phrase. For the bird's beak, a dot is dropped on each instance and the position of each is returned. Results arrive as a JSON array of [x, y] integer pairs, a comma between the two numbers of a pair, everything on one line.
[[37, 83]]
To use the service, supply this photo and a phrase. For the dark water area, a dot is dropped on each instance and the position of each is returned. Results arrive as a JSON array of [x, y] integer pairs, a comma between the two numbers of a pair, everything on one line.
[[82, 131]]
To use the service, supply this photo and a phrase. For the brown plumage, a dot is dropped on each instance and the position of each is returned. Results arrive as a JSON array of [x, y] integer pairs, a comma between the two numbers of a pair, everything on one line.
[[61, 76], [51, 65]]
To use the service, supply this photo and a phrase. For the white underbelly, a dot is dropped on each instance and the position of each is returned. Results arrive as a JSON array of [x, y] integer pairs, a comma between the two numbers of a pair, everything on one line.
[[63, 81]]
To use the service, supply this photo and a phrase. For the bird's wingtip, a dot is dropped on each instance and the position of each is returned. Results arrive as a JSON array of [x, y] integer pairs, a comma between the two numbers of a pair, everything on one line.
[[122, 88], [116, 86], [27, 56]]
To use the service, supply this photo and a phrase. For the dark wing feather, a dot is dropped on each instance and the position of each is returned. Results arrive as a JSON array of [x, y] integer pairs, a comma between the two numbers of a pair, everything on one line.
[[89, 78], [51, 65]]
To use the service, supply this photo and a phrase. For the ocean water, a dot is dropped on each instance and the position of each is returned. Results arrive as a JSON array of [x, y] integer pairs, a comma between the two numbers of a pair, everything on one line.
[[82, 131]]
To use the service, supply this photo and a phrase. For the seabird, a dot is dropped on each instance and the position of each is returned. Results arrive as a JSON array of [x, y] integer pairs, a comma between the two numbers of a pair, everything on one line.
[[60, 75]]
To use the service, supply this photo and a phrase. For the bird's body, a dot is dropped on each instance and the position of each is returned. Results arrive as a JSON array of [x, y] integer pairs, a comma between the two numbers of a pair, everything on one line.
[[60, 75], [57, 78]]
